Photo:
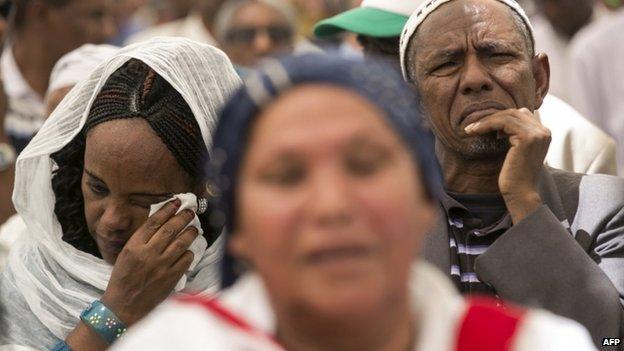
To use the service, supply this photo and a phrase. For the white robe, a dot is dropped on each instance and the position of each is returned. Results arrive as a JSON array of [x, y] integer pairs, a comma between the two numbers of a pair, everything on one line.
[[438, 310], [577, 145], [597, 77]]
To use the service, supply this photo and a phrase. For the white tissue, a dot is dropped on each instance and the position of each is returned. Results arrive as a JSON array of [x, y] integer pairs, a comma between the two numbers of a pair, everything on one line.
[[199, 245]]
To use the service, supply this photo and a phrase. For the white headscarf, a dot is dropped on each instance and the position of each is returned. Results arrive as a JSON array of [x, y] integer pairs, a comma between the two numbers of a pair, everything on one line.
[[427, 8], [55, 280]]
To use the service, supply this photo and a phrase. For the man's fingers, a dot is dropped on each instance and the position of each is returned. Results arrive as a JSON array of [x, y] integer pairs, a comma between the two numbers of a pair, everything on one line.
[[170, 230], [505, 123], [523, 115], [155, 221], [525, 111], [519, 127]]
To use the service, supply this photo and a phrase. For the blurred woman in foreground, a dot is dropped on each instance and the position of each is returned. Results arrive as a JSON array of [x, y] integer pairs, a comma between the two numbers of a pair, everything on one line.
[[328, 183]]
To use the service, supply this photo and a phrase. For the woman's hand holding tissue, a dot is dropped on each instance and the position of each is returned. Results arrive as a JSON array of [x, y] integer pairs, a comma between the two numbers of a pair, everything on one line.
[[151, 263]]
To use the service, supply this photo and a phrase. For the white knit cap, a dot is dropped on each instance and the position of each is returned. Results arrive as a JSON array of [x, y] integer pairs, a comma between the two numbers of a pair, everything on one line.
[[78, 64], [424, 10]]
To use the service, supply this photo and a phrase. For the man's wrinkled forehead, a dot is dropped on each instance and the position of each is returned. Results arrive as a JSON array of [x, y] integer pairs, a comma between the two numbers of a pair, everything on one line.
[[474, 20], [470, 19]]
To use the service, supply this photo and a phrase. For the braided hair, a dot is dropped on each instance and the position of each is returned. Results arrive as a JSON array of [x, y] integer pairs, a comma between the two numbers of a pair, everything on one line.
[[132, 91]]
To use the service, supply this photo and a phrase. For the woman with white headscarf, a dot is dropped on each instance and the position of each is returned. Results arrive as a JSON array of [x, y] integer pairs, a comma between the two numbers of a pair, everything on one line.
[[91, 262]]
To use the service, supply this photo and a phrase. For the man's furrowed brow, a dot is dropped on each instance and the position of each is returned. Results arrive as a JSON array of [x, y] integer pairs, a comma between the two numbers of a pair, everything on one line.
[[494, 45], [443, 54]]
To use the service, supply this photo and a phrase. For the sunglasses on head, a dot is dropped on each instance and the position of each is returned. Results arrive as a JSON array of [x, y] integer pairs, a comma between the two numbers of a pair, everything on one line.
[[246, 35]]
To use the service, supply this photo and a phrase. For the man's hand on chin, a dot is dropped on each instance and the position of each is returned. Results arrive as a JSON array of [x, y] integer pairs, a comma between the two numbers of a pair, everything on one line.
[[529, 141]]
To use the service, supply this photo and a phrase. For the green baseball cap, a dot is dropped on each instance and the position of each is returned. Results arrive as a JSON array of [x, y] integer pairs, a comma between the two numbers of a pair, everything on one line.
[[375, 18]]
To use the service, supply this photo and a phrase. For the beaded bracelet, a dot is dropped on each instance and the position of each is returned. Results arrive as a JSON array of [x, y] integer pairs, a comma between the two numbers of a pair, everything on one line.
[[103, 321], [61, 346]]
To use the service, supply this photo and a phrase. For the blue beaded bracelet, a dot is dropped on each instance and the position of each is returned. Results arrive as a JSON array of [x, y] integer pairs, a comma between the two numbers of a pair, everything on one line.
[[103, 321], [61, 346]]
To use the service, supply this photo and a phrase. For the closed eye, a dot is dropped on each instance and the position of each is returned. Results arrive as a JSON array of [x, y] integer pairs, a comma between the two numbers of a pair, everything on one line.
[[502, 55], [97, 189], [445, 68], [446, 64], [146, 201], [144, 204]]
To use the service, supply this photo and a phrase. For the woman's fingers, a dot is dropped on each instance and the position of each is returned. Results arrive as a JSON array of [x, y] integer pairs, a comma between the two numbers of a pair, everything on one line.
[[170, 230], [146, 272], [180, 245], [183, 263], [155, 221]]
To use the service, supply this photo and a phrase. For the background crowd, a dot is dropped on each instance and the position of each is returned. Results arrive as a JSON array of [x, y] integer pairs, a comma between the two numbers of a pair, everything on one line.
[[573, 120]]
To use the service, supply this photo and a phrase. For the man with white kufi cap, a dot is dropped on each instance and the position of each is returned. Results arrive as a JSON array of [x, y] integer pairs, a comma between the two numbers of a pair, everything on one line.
[[576, 146], [512, 227]]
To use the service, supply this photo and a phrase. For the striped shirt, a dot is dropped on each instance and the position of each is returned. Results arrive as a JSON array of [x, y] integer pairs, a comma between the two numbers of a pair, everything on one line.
[[475, 222]]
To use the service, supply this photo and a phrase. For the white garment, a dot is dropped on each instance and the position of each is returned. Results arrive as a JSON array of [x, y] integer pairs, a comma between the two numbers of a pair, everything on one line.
[[597, 77], [15, 348], [47, 283], [436, 305], [557, 47], [78, 64], [26, 110], [577, 145], [191, 27], [10, 231]]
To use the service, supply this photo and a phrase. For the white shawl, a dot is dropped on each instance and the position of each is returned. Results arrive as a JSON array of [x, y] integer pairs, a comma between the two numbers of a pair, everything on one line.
[[438, 309]]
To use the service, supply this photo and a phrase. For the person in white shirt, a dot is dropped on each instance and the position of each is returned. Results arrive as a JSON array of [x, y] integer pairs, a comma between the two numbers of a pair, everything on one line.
[[40, 33], [326, 202], [597, 77], [554, 26], [72, 68], [197, 25]]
